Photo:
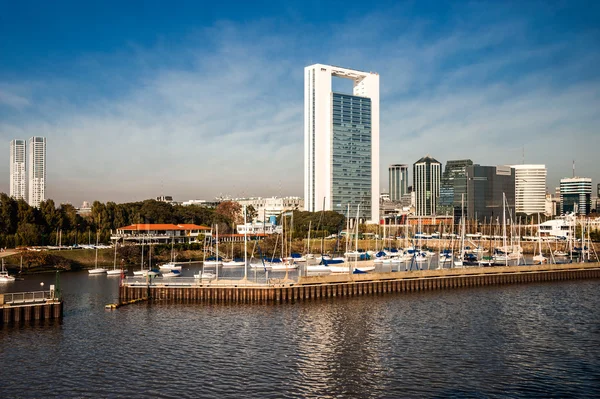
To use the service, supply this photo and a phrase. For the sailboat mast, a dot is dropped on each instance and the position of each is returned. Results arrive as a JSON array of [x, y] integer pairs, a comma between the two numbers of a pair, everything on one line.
[[246, 244], [504, 229], [356, 237]]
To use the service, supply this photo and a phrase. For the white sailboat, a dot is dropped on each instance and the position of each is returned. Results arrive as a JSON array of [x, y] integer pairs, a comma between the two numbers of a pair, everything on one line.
[[171, 264], [4, 276], [540, 257], [114, 271], [96, 269], [217, 261], [202, 275], [144, 272]]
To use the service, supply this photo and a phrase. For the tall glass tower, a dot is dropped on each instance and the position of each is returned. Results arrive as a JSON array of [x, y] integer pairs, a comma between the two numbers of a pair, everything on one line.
[[426, 185], [37, 170], [453, 188], [398, 175], [341, 142], [18, 163]]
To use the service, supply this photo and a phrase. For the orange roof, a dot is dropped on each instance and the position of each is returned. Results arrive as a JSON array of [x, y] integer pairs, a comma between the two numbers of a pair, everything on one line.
[[148, 226], [190, 226]]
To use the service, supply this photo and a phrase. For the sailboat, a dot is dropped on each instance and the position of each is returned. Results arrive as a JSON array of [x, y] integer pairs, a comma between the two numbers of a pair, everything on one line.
[[202, 275], [96, 269], [233, 262], [217, 261], [540, 257], [145, 272], [4, 276], [170, 266], [114, 271]]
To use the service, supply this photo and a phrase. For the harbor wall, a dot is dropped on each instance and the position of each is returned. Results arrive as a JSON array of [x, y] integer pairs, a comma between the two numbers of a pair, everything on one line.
[[31, 312], [335, 286]]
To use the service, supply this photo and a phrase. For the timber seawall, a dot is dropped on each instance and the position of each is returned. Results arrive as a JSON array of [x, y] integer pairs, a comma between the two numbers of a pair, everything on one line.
[[344, 285]]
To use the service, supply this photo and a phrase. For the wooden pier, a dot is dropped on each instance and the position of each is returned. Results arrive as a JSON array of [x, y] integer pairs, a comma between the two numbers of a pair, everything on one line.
[[29, 306], [344, 285]]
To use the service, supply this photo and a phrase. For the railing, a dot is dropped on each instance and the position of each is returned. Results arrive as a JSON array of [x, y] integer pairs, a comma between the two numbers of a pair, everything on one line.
[[196, 282], [18, 298]]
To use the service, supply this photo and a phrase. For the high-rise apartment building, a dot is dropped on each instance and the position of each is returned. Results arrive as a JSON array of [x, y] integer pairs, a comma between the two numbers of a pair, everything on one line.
[[487, 187], [398, 177], [426, 185], [341, 142], [453, 188], [18, 164], [530, 188], [37, 170], [575, 190]]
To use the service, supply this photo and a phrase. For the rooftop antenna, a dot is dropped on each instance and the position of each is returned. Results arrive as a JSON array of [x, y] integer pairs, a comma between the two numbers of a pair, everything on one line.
[[573, 168], [523, 155]]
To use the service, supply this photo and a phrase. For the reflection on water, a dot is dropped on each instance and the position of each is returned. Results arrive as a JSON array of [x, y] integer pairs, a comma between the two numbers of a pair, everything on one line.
[[516, 341]]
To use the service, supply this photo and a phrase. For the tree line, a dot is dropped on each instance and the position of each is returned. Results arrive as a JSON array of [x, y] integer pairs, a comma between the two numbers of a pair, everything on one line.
[[24, 225]]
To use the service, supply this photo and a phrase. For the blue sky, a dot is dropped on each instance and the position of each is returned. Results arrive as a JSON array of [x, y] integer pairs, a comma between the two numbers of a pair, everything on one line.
[[195, 99]]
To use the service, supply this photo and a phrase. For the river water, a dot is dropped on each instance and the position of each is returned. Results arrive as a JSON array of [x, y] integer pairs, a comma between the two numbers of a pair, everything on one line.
[[534, 340]]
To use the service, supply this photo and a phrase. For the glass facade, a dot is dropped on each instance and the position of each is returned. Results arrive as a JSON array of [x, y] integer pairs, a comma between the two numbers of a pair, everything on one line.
[[577, 190], [426, 185], [398, 182], [485, 188], [452, 187], [351, 150]]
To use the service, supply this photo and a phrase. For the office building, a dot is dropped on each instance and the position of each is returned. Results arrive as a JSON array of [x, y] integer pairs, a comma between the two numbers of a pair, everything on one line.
[[426, 185], [37, 170], [18, 164], [487, 186], [530, 189], [575, 192], [341, 142], [268, 209], [398, 177], [453, 187]]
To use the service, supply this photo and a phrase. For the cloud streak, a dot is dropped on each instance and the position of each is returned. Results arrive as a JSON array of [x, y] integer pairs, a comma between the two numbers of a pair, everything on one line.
[[221, 113]]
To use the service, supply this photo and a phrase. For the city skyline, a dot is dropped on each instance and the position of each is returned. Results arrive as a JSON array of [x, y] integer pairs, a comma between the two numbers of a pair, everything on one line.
[[197, 106]]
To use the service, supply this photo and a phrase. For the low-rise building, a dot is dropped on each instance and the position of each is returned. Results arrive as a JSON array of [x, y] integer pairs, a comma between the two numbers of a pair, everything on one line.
[[160, 233], [259, 228], [271, 207]]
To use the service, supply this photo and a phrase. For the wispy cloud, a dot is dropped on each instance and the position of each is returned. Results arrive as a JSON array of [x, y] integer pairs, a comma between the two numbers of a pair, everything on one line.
[[222, 111]]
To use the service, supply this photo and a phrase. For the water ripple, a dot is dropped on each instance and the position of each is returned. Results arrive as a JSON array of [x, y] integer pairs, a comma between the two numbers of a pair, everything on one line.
[[536, 340]]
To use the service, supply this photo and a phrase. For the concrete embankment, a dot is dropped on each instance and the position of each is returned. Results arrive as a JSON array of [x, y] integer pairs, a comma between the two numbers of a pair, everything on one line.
[[344, 285]]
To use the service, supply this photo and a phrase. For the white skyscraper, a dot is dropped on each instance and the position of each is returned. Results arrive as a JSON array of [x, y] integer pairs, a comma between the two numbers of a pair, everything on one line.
[[37, 170], [18, 177], [530, 189], [341, 142]]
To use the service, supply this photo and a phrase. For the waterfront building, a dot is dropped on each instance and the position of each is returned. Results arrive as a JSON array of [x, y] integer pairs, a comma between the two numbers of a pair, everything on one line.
[[486, 187], [341, 142], [453, 187], [37, 170], [398, 180], [575, 191], [530, 189], [18, 168], [160, 233], [259, 227], [267, 209], [426, 185]]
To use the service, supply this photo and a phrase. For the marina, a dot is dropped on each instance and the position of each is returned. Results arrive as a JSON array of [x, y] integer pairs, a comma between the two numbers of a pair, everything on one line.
[[281, 290]]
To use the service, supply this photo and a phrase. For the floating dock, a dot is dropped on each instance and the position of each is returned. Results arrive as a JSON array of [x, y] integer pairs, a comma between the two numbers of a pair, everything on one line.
[[345, 285], [29, 306]]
